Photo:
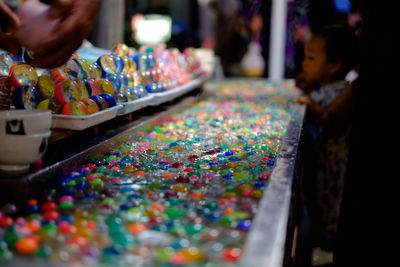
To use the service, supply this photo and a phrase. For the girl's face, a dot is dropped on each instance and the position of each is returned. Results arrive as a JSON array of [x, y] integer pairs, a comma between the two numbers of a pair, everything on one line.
[[315, 64]]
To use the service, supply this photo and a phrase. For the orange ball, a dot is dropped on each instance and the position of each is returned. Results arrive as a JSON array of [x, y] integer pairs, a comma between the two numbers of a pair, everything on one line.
[[33, 225], [91, 105], [75, 108], [140, 173], [136, 228], [169, 175], [27, 245]]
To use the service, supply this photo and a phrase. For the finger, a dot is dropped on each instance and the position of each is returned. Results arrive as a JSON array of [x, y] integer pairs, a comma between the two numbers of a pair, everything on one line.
[[9, 44], [56, 58], [13, 20]]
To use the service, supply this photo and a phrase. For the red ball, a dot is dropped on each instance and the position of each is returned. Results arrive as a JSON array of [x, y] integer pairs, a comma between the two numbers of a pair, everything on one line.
[[232, 254], [51, 215]]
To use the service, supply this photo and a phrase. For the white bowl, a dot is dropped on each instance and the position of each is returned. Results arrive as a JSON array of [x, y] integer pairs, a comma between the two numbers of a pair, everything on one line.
[[17, 152], [24, 121]]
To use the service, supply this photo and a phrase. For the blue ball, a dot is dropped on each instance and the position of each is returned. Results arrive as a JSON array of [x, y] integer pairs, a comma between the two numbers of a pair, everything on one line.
[[115, 79], [25, 97], [110, 100], [100, 101], [244, 225]]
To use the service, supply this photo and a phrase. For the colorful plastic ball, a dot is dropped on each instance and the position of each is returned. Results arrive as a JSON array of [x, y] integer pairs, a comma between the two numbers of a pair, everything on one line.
[[122, 97], [5, 63], [27, 245], [85, 87], [75, 107], [22, 74], [25, 97], [129, 64], [106, 87], [115, 81], [124, 81], [107, 64], [59, 74], [44, 104], [55, 106], [91, 105], [46, 86], [94, 87], [72, 68], [120, 49], [67, 91], [119, 63], [95, 71], [109, 99], [83, 68], [101, 102], [232, 254]]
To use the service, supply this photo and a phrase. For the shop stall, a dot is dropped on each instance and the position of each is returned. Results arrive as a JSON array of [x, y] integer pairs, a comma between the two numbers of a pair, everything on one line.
[[202, 176]]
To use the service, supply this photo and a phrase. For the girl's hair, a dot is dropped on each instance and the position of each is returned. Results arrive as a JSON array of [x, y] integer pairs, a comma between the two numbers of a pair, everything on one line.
[[341, 44]]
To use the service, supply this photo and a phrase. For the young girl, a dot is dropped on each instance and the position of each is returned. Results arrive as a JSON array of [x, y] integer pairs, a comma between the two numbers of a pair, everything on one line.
[[330, 54]]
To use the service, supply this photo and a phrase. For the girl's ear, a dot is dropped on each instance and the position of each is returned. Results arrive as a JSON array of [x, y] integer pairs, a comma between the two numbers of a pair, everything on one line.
[[334, 67]]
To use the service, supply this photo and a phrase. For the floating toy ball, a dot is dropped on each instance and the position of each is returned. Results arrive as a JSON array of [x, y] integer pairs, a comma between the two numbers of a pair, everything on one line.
[[101, 102], [5, 63], [46, 86], [105, 86], [83, 68], [22, 74], [66, 91], [107, 65], [115, 80], [75, 107], [55, 106], [91, 105], [44, 104], [95, 71], [94, 86], [25, 97], [120, 49], [109, 99], [85, 87], [68, 71]]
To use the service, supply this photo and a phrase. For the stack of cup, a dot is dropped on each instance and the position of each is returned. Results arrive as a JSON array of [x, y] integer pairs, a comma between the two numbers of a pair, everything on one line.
[[24, 137], [5, 93]]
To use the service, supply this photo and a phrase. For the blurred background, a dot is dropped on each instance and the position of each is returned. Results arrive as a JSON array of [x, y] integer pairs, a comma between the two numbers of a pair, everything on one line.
[[239, 32]]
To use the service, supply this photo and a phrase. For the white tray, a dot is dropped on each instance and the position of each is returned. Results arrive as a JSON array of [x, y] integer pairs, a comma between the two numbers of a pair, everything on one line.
[[82, 122], [160, 98], [134, 105]]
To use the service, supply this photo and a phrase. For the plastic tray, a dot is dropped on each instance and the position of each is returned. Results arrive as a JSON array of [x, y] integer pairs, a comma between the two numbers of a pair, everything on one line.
[[131, 106], [160, 98], [82, 122]]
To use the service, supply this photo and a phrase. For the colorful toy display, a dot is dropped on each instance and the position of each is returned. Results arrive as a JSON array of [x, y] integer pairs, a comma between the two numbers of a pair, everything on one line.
[[124, 74], [182, 193]]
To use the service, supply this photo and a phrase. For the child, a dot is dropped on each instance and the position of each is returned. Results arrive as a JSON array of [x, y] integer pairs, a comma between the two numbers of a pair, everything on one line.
[[330, 54]]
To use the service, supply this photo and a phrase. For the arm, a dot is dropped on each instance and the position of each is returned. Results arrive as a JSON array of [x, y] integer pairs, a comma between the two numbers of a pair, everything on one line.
[[338, 116], [311, 105]]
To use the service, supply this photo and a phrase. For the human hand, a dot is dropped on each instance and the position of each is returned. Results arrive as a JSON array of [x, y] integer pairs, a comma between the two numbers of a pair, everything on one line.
[[8, 20], [304, 100], [311, 105], [302, 84], [7, 17], [53, 33]]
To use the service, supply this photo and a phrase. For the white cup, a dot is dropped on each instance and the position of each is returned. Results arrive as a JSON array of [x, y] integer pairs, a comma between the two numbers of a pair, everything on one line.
[[24, 121], [17, 152]]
